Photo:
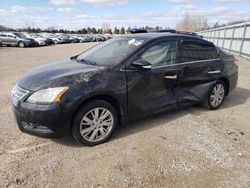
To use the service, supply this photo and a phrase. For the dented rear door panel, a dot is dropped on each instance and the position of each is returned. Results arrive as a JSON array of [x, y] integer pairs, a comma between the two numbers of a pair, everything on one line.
[[197, 79]]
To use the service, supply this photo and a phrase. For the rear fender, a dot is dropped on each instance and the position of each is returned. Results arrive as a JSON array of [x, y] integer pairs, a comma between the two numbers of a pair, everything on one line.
[[196, 93]]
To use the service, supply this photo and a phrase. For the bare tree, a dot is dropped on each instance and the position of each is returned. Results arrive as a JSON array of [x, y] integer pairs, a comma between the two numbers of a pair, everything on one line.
[[192, 23], [106, 28]]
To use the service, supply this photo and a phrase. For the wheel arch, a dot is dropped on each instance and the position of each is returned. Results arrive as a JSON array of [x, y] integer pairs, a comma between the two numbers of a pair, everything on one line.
[[110, 99], [226, 81], [18, 42]]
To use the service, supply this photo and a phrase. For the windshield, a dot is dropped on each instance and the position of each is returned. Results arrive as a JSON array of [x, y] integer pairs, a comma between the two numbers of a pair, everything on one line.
[[111, 52], [20, 35]]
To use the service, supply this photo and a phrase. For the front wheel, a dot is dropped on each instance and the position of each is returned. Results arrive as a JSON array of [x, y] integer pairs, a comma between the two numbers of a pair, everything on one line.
[[94, 123], [216, 96], [21, 44]]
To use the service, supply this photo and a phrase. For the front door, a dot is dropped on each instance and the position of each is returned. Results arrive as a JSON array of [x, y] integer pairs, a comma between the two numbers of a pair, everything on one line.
[[151, 91]]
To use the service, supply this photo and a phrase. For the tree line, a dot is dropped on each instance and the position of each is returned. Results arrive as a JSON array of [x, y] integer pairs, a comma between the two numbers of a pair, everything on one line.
[[88, 30]]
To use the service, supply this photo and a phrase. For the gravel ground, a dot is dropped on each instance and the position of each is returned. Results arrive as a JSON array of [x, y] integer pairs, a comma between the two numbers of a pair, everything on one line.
[[192, 147]]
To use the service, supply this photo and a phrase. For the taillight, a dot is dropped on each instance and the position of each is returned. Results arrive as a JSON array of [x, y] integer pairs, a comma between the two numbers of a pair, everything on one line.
[[237, 62]]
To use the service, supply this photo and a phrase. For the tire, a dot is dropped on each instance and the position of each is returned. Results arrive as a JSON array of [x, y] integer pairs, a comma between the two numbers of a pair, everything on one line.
[[1, 44], [218, 91], [90, 131], [21, 44]]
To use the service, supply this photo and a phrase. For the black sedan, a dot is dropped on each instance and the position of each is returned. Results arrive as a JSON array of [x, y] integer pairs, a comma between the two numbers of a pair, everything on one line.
[[124, 78]]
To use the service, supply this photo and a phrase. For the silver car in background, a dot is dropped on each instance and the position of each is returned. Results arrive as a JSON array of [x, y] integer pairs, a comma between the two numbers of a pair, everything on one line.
[[41, 41], [16, 39]]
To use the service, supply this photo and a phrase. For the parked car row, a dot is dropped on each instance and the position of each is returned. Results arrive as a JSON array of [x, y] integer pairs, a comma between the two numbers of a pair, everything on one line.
[[25, 39]]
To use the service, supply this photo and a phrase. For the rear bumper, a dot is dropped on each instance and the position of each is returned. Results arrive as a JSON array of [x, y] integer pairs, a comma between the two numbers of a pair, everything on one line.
[[233, 80]]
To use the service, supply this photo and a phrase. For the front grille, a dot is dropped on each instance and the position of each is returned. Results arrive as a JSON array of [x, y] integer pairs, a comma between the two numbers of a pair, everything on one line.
[[17, 94]]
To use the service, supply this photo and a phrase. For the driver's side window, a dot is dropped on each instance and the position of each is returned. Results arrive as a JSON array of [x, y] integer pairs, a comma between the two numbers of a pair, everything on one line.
[[161, 54]]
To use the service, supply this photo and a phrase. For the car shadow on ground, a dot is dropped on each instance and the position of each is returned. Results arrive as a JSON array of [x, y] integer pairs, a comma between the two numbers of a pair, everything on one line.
[[237, 97], [133, 127]]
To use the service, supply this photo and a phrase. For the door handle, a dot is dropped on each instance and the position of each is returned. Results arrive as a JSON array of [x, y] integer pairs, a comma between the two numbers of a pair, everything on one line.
[[171, 77], [214, 72]]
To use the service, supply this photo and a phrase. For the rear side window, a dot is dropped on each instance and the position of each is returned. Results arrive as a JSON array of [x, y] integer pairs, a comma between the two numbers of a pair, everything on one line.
[[195, 51]]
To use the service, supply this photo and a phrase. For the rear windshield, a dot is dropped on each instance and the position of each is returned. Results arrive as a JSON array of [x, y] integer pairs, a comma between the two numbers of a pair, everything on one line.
[[222, 53]]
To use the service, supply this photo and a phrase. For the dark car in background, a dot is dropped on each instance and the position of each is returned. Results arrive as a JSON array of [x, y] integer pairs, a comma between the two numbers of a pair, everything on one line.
[[120, 80], [16, 39]]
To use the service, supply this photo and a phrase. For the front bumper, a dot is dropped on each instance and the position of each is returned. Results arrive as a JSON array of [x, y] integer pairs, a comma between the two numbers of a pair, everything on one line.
[[47, 121], [30, 43], [42, 43]]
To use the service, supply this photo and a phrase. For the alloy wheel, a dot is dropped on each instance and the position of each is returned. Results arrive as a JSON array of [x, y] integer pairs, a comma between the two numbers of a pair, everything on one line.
[[217, 95], [96, 124], [21, 44]]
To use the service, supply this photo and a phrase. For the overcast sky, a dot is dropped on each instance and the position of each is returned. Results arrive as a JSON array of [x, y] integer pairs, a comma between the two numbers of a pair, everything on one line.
[[75, 14]]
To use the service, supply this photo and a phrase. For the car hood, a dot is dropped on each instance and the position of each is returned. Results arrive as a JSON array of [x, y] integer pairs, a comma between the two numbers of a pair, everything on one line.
[[40, 38], [56, 74], [27, 39]]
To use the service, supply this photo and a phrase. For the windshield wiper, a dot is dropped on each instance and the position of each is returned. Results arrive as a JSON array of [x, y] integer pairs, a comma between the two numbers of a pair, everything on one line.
[[74, 57], [86, 61]]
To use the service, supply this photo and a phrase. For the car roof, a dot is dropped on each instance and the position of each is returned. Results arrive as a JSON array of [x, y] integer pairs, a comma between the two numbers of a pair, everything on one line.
[[159, 35], [151, 36]]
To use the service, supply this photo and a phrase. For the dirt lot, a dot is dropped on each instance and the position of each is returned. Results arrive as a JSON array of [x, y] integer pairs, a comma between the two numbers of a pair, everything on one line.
[[192, 147]]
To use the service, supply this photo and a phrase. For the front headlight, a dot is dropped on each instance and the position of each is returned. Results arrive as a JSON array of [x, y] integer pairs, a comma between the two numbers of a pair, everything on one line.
[[47, 96]]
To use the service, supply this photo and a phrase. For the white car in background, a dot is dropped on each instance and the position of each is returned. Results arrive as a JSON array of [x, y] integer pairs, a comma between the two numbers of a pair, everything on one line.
[[53, 37], [41, 41]]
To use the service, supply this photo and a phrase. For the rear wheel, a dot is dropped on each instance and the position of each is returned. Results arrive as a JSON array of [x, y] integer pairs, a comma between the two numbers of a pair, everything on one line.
[[94, 123], [21, 44], [215, 96]]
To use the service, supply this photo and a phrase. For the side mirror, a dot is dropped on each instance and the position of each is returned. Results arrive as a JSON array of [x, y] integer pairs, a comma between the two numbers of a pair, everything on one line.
[[142, 65]]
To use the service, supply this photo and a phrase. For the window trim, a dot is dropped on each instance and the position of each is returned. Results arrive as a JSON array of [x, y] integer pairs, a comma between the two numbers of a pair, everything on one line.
[[189, 62], [179, 64]]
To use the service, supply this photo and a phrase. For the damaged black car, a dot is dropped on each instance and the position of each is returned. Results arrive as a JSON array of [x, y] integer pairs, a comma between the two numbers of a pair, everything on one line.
[[120, 80]]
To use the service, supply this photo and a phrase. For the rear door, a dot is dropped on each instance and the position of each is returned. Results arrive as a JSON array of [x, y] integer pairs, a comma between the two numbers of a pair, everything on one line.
[[201, 67]]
